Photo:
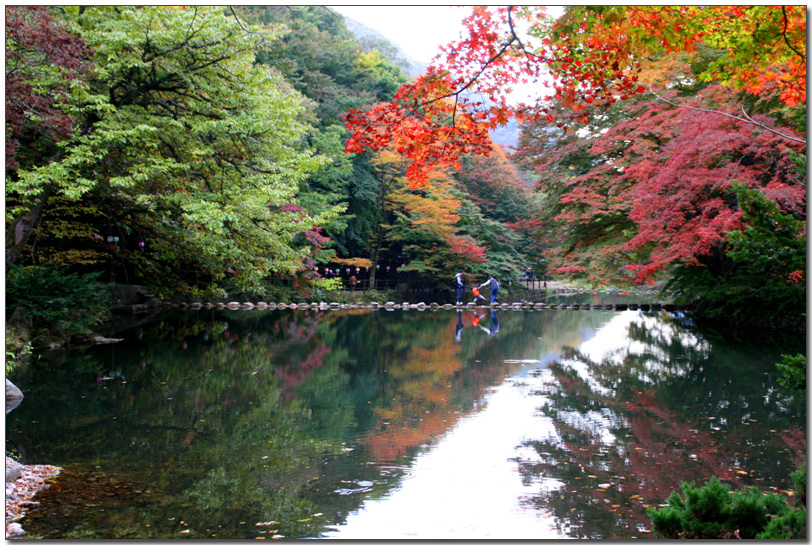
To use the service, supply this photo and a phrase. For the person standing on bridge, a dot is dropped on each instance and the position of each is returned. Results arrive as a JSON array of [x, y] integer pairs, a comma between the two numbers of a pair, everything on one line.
[[492, 283], [459, 284]]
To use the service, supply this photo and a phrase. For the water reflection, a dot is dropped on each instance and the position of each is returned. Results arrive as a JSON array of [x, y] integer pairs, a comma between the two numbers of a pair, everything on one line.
[[645, 405], [492, 328], [255, 424]]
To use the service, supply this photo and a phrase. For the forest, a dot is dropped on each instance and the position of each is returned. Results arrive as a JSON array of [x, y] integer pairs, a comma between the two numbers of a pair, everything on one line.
[[245, 152], [267, 153]]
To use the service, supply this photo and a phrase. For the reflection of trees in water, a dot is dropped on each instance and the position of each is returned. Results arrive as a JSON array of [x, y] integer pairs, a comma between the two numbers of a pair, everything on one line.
[[419, 379], [226, 416], [649, 411], [230, 419]]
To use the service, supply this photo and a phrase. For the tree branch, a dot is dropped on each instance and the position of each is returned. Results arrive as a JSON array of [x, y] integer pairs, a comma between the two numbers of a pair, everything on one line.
[[745, 119], [784, 34]]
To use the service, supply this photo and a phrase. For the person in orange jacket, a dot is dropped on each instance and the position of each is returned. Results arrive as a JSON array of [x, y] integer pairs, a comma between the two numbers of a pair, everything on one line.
[[478, 295]]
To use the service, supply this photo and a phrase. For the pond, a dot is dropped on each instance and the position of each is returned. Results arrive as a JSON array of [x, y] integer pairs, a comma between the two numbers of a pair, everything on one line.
[[399, 424]]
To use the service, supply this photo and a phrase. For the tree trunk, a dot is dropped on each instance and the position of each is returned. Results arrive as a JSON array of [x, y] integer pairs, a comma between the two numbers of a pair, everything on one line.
[[373, 254], [18, 237]]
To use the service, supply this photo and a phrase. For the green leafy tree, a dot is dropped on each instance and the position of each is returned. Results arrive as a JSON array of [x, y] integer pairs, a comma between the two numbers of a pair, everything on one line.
[[177, 123], [44, 59], [325, 62]]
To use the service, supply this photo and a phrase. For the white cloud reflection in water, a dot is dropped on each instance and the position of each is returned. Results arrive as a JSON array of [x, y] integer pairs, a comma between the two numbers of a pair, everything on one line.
[[468, 486], [612, 345]]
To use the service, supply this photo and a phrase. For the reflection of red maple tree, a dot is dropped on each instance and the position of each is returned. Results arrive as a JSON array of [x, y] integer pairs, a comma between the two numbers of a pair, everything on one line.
[[296, 337], [652, 435], [299, 371], [422, 391], [654, 451]]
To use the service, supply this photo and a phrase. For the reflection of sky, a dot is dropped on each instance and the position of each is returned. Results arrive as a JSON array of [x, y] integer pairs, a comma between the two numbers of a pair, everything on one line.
[[597, 423], [611, 345], [532, 366], [467, 486]]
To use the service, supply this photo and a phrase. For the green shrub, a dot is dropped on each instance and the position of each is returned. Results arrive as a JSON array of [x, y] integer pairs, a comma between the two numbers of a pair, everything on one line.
[[713, 512], [790, 525], [55, 301], [793, 372], [328, 284], [799, 483]]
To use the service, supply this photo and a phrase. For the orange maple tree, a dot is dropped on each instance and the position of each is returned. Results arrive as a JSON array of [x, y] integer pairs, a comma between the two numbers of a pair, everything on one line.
[[592, 55]]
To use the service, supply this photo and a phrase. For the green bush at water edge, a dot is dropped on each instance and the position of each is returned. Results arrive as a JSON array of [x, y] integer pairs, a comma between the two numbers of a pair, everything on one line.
[[714, 512], [54, 301]]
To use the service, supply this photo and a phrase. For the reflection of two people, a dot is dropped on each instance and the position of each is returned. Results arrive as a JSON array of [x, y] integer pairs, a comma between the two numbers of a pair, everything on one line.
[[491, 330], [494, 326]]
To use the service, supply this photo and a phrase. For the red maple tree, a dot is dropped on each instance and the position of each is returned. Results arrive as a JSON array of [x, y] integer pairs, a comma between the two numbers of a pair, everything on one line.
[[594, 57], [656, 187], [42, 57]]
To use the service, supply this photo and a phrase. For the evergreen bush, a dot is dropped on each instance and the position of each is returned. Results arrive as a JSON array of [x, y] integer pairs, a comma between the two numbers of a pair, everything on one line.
[[714, 512], [56, 302], [793, 372]]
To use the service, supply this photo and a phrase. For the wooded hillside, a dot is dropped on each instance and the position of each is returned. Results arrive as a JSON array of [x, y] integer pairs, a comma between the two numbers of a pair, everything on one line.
[[206, 151]]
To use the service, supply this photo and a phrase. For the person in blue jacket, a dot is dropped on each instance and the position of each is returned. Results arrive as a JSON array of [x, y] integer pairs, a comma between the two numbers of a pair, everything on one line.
[[494, 285], [459, 283]]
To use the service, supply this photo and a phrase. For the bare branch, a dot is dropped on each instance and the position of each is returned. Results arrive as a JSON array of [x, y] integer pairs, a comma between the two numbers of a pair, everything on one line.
[[745, 119], [784, 33]]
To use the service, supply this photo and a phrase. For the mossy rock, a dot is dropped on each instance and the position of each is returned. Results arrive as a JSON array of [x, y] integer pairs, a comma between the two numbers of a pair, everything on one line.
[[18, 336]]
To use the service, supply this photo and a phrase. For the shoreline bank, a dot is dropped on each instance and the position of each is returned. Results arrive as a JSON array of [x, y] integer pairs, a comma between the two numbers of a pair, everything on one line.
[[20, 491]]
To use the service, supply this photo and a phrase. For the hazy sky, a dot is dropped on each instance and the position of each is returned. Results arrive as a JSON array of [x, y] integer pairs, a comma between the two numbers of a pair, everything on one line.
[[419, 30]]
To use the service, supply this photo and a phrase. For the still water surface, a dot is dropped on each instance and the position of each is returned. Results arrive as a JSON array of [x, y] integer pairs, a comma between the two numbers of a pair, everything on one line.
[[399, 424]]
